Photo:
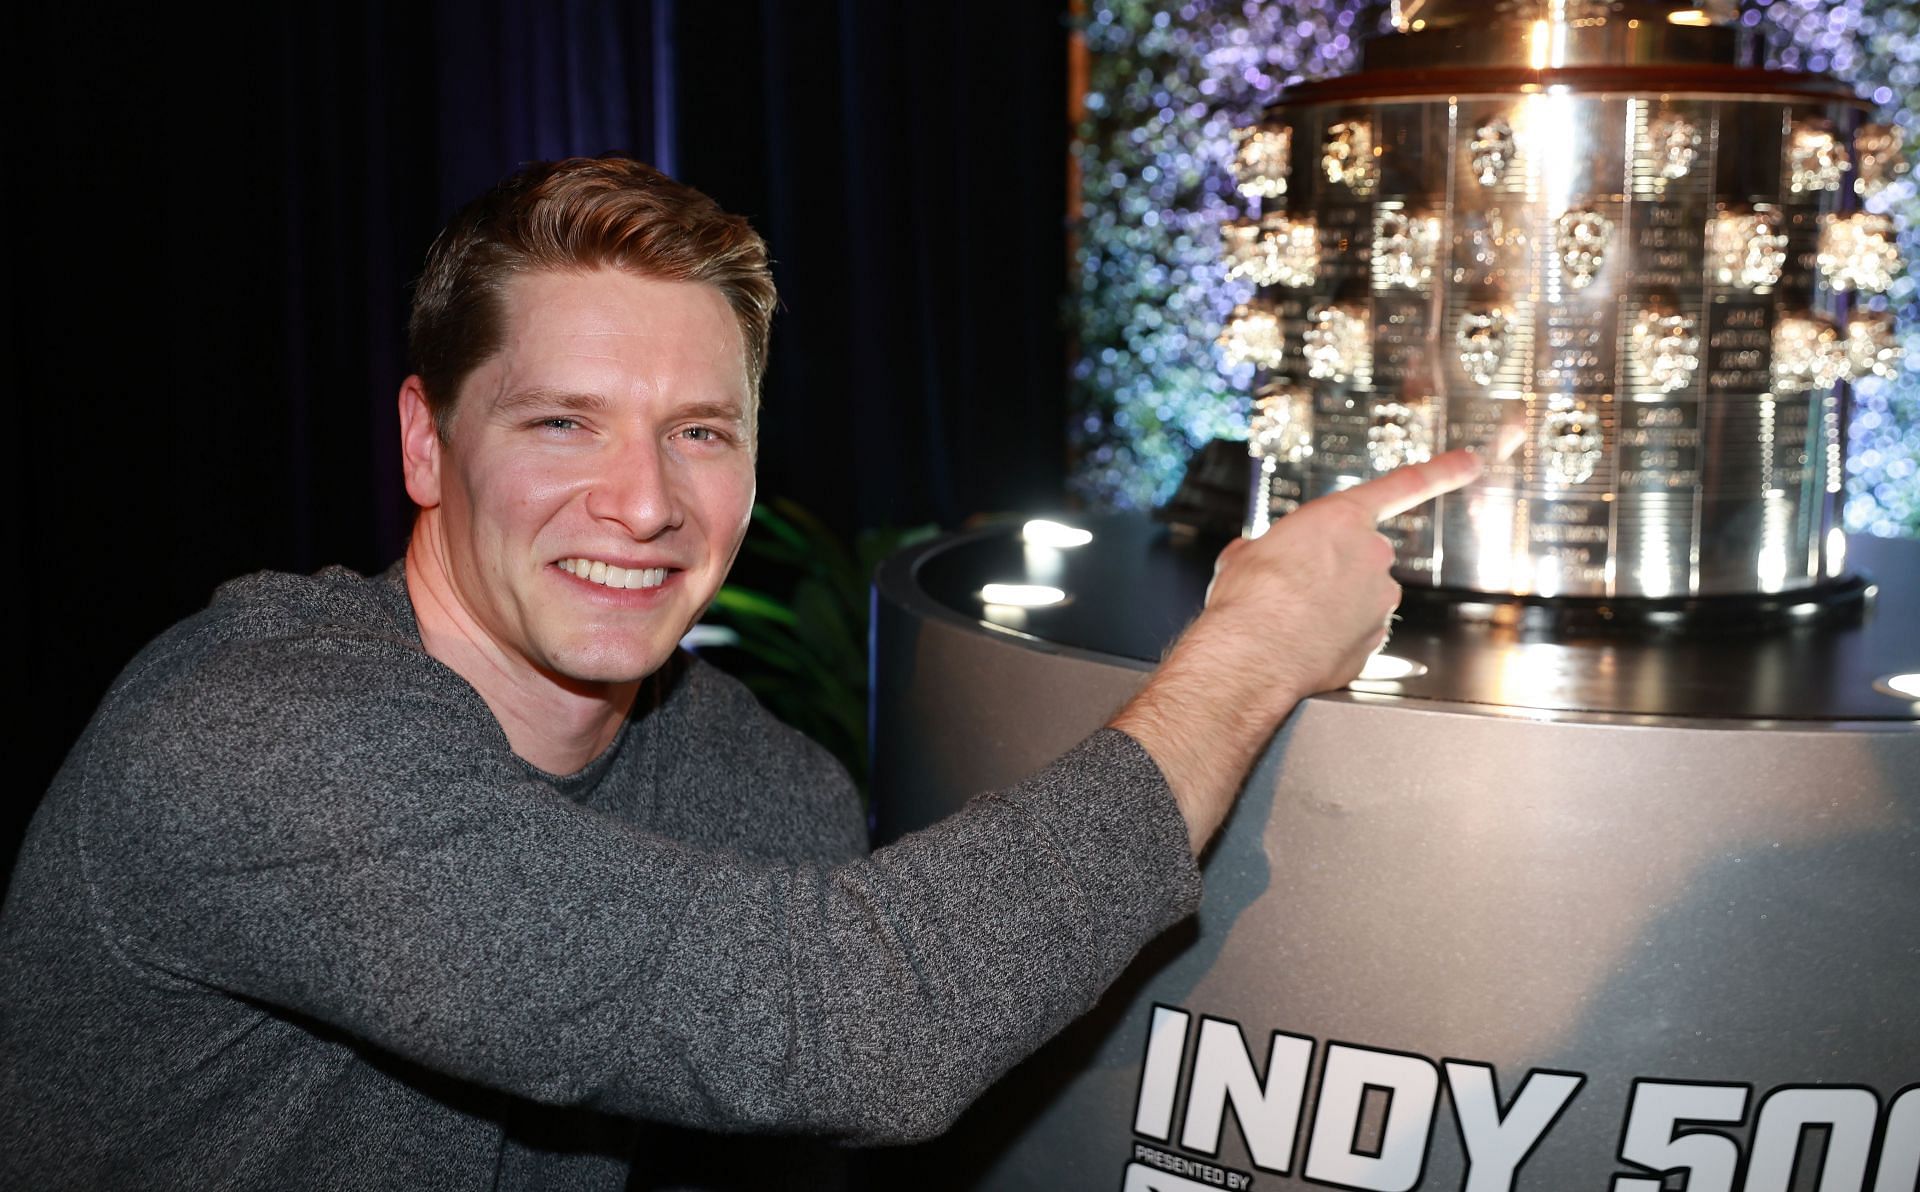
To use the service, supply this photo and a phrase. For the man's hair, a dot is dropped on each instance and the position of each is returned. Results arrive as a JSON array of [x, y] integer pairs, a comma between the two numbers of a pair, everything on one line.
[[576, 215]]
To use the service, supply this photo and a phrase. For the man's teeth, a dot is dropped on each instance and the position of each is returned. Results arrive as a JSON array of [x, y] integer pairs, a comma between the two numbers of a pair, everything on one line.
[[615, 577]]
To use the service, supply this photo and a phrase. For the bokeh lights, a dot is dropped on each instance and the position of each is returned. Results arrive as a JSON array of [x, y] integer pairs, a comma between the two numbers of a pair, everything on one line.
[[1168, 84]]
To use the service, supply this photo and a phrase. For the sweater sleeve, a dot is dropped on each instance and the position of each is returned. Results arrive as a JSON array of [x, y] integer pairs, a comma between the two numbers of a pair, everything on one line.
[[365, 852]]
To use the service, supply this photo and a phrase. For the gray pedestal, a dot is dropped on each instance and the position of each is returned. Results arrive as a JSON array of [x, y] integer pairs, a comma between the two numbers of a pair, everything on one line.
[[1557, 912]]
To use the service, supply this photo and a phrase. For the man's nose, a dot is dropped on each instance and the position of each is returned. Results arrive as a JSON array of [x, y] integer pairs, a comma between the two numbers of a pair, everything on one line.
[[638, 489]]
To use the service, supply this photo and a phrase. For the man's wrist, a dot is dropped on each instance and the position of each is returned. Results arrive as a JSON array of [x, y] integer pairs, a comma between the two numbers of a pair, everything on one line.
[[1204, 717]]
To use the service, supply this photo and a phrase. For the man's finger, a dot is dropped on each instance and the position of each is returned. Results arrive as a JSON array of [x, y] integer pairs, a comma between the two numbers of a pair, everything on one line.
[[1403, 488]]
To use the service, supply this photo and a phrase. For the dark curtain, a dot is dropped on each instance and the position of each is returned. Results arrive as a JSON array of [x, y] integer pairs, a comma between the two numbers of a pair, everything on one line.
[[216, 213], [907, 163]]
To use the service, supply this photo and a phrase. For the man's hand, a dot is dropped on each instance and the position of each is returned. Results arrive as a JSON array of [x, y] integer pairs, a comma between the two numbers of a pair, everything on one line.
[[1293, 612]]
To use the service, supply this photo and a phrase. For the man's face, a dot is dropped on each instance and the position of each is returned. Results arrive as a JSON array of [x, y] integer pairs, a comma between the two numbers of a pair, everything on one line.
[[598, 473]]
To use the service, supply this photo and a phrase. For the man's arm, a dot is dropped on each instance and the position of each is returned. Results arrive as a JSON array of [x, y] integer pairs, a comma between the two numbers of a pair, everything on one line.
[[360, 848], [1293, 612]]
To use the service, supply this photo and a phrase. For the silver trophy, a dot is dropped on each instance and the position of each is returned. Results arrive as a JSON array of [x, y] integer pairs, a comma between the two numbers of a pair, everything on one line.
[[1583, 227]]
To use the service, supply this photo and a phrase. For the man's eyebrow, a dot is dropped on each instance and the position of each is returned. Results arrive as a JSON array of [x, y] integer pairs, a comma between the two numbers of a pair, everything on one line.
[[729, 411], [541, 400], [527, 400]]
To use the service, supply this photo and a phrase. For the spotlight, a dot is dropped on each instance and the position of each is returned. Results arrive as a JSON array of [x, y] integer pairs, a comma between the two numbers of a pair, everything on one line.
[[1022, 595], [1041, 532], [1387, 668], [1904, 686]]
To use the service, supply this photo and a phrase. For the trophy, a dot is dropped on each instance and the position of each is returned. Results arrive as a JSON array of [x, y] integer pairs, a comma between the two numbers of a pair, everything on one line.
[[1585, 237]]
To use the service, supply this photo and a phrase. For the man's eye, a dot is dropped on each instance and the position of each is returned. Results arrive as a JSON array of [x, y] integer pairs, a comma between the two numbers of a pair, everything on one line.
[[556, 424], [701, 434]]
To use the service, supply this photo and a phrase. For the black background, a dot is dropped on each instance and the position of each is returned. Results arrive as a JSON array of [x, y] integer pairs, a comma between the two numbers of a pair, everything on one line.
[[215, 214]]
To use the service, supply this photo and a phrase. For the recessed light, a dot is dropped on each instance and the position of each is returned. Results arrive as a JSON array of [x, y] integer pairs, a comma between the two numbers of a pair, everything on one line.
[[1022, 595], [1041, 532], [1904, 686], [1389, 668]]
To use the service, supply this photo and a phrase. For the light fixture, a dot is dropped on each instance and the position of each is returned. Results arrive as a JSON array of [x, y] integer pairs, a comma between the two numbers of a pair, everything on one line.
[[1903, 686], [1021, 595], [1389, 668], [1041, 532]]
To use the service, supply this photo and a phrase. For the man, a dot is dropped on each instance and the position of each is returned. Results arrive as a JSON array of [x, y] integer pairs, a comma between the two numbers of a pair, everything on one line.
[[445, 877]]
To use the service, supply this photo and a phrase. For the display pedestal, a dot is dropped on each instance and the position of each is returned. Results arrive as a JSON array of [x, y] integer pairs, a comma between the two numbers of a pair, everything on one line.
[[1641, 861]]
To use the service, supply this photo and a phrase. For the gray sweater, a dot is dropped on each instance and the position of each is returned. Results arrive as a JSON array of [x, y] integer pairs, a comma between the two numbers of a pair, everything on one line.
[[294, 915]]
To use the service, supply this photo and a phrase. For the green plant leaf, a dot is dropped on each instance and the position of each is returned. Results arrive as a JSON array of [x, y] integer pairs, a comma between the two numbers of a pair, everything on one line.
[[805, 655], [782, 531], [821, 621], [831, 552], [745, 602]]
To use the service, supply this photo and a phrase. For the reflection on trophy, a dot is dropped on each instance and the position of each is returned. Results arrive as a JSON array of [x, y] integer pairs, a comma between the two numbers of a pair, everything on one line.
[[1647, 270]]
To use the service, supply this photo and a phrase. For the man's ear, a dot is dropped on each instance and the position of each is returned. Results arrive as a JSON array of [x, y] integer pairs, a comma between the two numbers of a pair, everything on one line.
[[420, 444]]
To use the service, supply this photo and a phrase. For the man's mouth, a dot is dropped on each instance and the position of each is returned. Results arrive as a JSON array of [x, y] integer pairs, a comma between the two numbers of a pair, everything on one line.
[[595, 571]]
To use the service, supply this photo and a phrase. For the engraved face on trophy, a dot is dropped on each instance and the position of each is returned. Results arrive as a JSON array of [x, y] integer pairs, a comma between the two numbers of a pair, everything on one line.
[[1879, 158], [1243, 253], [1482, 343], [1405, 247], [1582, 237], [1491, 151], [1293, 246], [1252, 336], [1570, 444], [1858, 251], [1808, 353], [1397, 435], [1282, 427], [1873, 349], [1816, 157], [1277, 250], [1347, 158], [1673, 144], [1747, 250], [1666, 347], [1261, 160], [1337, 342]]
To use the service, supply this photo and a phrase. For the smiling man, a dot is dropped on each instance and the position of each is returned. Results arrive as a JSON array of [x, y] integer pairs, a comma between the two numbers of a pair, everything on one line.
[[581, 504], [462, 876]]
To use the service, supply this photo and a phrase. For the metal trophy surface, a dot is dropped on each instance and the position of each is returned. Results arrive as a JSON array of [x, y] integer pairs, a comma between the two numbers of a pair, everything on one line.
[[1586, 228]]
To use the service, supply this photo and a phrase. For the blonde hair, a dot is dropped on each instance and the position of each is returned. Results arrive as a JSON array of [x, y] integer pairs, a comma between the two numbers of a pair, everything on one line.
[[579, 214]]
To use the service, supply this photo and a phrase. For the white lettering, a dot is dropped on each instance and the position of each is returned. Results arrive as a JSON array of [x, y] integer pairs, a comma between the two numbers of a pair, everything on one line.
[[1166, 1047], [1653, 1143], [1269, 1114], [1413, 1088], [1141, 1178], [1785, 1115], [1496, 1145], [1900, 1146]]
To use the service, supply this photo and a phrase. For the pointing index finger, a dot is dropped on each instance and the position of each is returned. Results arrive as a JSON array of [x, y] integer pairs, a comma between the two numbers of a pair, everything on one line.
[[1404, 488]]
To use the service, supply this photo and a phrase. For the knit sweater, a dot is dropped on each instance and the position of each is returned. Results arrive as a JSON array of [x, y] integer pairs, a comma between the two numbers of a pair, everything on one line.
[[294, 915]]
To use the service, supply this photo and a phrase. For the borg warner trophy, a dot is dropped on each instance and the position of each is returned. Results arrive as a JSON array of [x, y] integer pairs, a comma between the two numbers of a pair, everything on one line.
[[1584, 229]]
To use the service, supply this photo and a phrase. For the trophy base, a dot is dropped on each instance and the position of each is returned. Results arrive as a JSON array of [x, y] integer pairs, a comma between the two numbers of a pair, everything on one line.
[[1835, 601]]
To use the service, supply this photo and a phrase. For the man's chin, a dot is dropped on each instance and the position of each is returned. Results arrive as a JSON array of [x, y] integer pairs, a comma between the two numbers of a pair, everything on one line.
[[590, 671]]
